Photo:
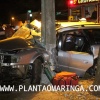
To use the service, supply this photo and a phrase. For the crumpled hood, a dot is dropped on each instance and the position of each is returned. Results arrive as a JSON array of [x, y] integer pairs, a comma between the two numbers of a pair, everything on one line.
[[13, 44]]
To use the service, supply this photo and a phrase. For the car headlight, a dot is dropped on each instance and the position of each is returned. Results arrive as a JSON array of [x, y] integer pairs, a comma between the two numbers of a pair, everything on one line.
[[15, 59]]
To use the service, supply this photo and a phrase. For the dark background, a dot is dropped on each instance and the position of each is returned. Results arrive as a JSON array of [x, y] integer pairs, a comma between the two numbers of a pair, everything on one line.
[[10, 8]]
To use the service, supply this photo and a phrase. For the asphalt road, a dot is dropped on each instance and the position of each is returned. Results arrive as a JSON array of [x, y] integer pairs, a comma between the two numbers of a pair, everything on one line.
[[23, 94], [18, 96]]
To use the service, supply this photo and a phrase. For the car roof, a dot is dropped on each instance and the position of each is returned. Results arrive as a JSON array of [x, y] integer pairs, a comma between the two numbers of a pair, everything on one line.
[[63, 26], [66, 24]]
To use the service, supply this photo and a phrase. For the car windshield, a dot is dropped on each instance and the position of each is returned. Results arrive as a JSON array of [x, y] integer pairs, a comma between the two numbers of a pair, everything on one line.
[[29, 30]]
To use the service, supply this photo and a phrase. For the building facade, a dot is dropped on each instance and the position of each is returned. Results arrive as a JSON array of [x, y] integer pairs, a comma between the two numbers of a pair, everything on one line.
[[89, 9]]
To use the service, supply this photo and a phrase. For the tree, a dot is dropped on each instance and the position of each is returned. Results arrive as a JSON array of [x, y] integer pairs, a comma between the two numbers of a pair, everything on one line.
[[97, 79]]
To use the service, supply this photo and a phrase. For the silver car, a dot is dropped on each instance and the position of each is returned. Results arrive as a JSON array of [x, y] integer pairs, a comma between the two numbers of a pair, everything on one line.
[[78, 48], [22, 55]]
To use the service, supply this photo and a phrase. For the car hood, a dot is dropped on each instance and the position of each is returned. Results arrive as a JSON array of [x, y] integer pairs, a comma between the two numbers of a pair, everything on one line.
[[13, 43]]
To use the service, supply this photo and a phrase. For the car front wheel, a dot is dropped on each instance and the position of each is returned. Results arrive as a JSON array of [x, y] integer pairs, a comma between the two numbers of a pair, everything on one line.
[[36, 72]]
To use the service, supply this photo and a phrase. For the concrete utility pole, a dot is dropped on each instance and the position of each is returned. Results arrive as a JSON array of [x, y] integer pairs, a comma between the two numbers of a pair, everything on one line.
[[48, 24]]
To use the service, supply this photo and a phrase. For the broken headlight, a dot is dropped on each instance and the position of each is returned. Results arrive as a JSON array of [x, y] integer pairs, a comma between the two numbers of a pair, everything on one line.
[[15, 59]]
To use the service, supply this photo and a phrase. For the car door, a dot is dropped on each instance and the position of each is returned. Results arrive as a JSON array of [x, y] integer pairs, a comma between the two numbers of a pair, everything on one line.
[[73, 59]]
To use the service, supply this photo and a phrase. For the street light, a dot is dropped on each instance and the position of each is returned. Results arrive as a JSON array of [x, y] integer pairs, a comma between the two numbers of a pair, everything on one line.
[[12, 19], [29, 16]]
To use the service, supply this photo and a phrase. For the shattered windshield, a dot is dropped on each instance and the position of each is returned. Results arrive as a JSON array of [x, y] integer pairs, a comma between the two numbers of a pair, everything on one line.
[[29, 30], [23, 32]]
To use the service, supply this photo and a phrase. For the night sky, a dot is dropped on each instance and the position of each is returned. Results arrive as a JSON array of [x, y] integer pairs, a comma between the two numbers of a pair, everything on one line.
[[10, 8], [14, 7]]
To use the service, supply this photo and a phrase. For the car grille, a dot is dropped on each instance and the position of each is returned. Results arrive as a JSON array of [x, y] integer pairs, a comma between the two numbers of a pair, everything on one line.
[[5, 58]]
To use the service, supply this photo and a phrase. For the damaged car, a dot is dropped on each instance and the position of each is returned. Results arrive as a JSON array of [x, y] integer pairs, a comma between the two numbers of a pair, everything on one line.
[[78, 48], [23, 55]]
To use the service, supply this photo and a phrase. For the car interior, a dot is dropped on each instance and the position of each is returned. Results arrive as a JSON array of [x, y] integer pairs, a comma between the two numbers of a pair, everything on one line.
[[70, 41]]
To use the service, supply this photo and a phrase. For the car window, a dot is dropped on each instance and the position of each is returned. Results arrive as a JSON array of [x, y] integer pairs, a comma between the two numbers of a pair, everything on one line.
[[71, 40], [94, 35]]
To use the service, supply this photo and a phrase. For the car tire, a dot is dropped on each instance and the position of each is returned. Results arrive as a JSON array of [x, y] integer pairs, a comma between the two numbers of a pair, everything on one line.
[[92, 70], [36, 72]]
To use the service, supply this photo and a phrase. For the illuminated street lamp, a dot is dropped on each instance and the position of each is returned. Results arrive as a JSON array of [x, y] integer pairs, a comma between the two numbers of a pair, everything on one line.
[[12, 20]]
